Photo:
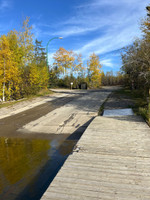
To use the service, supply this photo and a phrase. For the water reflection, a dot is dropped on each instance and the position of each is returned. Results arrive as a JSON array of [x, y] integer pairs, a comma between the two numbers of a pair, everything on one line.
[[20, 160], [27, 166]]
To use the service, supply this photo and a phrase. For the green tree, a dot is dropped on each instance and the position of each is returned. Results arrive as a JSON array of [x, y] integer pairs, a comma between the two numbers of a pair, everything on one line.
[[39, 53]]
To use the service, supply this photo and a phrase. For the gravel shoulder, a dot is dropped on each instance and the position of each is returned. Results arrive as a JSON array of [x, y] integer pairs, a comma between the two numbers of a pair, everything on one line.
[[117, 100]]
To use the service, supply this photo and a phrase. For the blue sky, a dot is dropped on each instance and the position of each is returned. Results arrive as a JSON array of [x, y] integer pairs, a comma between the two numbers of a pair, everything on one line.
[[100, 26]]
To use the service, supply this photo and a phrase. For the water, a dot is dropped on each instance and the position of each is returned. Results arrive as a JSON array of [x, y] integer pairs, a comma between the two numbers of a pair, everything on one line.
[[28, 163], [27, 166]]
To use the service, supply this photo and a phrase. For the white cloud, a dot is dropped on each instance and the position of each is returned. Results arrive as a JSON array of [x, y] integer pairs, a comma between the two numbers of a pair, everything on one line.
[[36, 30], [111, 41], [106, 26], [101, 16], [120, 25], [75, 30], [107, 63]]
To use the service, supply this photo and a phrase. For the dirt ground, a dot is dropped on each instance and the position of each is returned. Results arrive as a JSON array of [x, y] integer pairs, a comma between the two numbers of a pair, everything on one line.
[[118, 101]]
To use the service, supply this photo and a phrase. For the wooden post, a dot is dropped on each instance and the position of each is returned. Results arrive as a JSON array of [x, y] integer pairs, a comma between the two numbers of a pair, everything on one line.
[[71, 85]]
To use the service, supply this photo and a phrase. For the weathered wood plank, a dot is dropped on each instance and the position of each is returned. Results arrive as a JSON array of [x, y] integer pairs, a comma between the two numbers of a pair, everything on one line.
[[111, 162]]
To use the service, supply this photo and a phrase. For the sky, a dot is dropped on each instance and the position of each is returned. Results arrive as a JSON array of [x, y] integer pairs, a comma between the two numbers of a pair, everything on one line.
[[100, 26]]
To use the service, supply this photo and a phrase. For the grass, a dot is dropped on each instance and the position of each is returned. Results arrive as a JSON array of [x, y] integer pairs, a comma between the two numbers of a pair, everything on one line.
[[44, 92], [101, 110], [41, 93], [140, 106]]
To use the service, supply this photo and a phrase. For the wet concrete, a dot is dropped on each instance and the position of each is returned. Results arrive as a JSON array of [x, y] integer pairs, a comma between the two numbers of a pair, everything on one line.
[[69, 117], [10, 125], [29, 162]]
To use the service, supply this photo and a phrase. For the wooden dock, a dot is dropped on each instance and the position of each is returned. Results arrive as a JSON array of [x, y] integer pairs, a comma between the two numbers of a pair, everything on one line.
[[111, 162]]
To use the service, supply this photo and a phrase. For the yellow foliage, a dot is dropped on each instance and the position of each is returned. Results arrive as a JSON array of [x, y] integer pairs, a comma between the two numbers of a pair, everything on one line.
[[78, 66], [18, 71], [9, 72], [38, 77], [63, 59], [95, 73]]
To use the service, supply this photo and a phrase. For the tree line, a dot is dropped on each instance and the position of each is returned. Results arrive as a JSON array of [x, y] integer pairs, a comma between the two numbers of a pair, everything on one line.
[[136, 60], [68, 67], [112, 79], [136, 65], [23, 69]]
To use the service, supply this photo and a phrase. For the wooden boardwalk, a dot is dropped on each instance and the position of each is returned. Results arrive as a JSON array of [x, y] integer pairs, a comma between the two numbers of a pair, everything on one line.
[[111, 162]]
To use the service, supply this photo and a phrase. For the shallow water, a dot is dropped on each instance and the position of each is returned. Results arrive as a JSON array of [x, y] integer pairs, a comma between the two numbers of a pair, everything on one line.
[[29, 162], [27, 166]]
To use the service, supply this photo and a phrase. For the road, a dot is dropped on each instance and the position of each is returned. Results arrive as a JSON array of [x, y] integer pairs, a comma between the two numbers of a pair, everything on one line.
[[61, 116], [71, 117]]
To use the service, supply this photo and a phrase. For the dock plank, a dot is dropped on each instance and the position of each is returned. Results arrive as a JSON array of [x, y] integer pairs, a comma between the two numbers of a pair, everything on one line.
[[110, 162]]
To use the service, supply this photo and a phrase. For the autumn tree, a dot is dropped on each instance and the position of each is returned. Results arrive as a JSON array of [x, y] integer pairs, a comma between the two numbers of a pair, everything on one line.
[[26, 42], [136, 62], [23, 69], [94, 71], [35, 74], [78, 66], [5, 54], [64, 60], [9, 72], [16, 57]]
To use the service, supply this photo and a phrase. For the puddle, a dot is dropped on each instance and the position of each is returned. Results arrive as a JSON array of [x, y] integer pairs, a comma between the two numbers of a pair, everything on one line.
[[27, 166]]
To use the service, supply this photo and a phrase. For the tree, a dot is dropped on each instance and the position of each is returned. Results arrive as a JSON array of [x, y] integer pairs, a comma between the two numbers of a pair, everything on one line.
[[94, 72], [26, 42], [38, 73], [39, 53], [9, 73], [64, 60], [136, 62], [4, 59], [146, 30], [23, 68], [78, 66], [15, 72]]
